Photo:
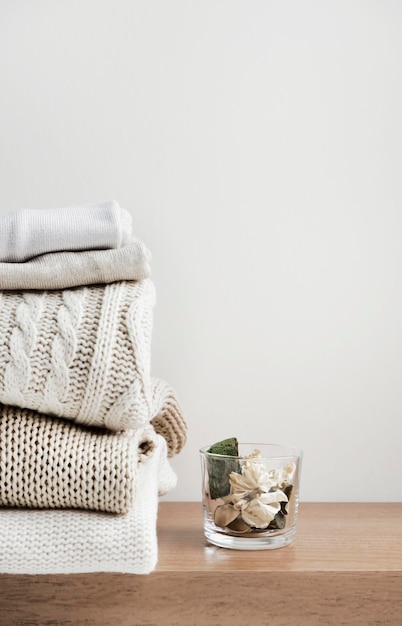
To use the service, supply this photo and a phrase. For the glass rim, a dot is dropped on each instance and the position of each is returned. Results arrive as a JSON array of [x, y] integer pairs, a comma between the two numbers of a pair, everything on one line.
[[291, 452]]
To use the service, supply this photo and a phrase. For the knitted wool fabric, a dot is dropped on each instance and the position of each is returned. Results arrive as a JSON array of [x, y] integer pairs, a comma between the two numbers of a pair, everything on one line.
[[168, 418], [51, 463], [26, 233], [61, 270], [47, 462], [82, 354], [74, 541]]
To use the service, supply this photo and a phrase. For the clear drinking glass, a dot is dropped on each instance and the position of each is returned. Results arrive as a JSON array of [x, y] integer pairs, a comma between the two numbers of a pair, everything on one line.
[[250, 501]]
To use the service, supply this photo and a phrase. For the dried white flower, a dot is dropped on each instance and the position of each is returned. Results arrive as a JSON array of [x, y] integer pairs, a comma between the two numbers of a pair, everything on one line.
[[255, 493], [253, 481], [284, 475], [260, 510]]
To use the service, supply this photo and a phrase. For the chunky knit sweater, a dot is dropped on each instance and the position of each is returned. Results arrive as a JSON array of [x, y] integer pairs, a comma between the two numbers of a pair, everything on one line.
[[52, 463], [82, 354], [75, 541], [48, 462]]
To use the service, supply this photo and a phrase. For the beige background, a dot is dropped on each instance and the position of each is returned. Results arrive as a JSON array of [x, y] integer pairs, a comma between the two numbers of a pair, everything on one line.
[[257, 145]]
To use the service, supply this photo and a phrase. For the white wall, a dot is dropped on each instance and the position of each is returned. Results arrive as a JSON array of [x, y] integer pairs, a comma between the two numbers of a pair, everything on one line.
[[257, 144]]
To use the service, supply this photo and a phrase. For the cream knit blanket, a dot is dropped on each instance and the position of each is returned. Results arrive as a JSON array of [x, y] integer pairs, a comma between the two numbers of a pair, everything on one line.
[[60, 270], [75, 541], [26, 233], [82, 354]]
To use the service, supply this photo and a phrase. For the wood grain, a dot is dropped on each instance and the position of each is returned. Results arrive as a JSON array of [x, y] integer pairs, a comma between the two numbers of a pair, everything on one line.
[[345, 567]]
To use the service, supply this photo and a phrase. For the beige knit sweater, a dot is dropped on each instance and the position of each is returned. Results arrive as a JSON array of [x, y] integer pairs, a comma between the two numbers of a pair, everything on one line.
[[48, 462], [168, 419], [74, 268], [81, 353], [51, 463]]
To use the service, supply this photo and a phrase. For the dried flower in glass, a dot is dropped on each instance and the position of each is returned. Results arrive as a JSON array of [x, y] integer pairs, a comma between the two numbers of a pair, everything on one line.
[[257, 497]]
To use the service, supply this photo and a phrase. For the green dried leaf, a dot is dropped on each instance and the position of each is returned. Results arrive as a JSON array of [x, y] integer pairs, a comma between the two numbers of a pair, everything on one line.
[[220, 469], [278, 522], [287, 491], [228, 447]]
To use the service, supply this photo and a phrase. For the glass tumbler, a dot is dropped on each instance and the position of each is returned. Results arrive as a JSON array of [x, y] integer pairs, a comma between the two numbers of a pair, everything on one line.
[[250, 501]]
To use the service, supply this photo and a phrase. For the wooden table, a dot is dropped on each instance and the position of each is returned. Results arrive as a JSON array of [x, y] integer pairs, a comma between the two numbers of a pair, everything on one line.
[[345, 567]]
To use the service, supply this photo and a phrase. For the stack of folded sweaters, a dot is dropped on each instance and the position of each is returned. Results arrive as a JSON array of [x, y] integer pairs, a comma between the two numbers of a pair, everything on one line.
[[85, 431]]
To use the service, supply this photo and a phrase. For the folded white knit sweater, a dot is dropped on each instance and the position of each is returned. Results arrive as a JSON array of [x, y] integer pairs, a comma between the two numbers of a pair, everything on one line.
[[26, 233], [74, 541], [61, 270], [82, 354]]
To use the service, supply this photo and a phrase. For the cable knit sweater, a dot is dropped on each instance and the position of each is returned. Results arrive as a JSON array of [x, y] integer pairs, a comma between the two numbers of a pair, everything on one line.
[[75, 541], [82, 354]]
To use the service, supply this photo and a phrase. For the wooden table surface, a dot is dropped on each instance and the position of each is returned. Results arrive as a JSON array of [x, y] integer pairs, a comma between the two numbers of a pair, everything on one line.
[[344, 567]]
